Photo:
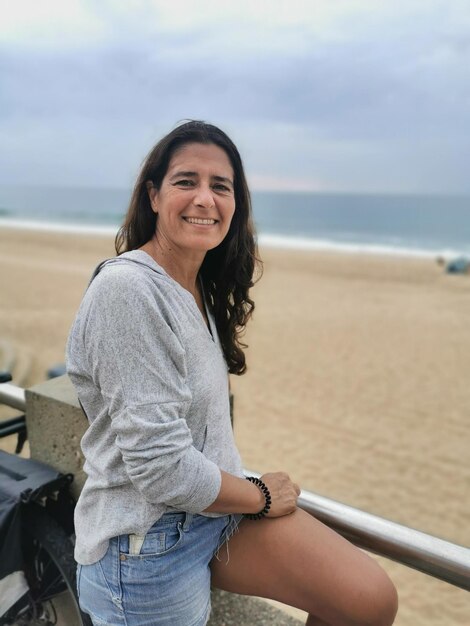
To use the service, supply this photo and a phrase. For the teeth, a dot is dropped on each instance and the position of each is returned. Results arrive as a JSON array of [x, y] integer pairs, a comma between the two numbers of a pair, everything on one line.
[[199, 220]]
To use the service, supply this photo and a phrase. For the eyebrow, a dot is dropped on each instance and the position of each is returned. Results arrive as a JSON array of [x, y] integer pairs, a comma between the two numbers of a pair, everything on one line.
[[221, 179]]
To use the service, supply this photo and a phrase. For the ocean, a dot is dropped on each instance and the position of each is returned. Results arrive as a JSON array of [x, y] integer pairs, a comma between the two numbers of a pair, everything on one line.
[[391, 223]]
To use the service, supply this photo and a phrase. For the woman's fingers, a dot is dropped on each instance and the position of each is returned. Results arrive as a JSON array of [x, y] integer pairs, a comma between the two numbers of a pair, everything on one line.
[[283, 492]]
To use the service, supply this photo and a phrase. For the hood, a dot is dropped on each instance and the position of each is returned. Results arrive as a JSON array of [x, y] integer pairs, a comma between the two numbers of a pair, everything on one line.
[[134, 257]]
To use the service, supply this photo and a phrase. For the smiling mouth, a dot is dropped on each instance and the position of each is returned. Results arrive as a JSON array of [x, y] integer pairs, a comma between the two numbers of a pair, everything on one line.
[[200, 220]]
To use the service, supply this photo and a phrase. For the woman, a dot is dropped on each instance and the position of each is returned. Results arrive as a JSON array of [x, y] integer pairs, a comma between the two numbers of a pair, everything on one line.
[[148, 353]]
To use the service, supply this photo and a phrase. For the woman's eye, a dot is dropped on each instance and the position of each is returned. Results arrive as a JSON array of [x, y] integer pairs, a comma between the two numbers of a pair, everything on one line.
[[220, 187], [185, 183]]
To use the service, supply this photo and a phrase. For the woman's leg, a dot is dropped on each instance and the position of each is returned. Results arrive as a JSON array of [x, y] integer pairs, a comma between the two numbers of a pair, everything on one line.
[[301, 562]]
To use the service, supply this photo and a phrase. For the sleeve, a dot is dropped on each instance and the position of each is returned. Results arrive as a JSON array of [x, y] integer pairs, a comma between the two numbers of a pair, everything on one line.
[[139, 364]]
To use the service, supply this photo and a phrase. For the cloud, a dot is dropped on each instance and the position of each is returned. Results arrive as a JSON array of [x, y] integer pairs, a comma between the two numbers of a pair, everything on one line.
[[339, 88], [333, 83], [32, 24]]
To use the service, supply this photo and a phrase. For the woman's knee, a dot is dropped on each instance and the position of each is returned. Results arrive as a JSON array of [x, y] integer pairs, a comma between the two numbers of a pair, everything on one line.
[[365, 600], [377, 603], [387, 603]]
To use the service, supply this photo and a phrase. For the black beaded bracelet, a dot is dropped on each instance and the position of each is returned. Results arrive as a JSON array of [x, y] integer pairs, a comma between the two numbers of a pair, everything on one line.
[[267, 497]]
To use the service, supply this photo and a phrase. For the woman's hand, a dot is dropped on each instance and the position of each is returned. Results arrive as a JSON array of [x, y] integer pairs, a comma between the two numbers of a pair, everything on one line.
[[238, 495], [284, 493]]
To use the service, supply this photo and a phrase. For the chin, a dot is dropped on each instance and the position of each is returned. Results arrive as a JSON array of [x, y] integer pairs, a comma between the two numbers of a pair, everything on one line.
[[204, 246]]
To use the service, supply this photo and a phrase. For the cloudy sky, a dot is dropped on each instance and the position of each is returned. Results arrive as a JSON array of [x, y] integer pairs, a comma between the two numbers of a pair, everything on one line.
[[330, 95]]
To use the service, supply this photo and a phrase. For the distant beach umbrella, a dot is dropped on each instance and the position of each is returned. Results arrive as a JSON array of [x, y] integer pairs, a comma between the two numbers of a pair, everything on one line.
[[460, 265]]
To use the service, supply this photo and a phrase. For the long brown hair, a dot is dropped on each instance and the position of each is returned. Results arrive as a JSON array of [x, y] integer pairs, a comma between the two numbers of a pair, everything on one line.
[[228, 270]]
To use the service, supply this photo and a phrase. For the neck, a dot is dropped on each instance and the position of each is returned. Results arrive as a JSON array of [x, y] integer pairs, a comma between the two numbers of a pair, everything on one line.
[[179, 264]]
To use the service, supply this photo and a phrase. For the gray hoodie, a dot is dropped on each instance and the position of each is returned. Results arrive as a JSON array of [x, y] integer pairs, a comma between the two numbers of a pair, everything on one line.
[[153, 382]]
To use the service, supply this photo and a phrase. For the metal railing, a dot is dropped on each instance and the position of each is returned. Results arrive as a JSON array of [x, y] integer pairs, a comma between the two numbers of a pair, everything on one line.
[[413, 548], [13, 396]]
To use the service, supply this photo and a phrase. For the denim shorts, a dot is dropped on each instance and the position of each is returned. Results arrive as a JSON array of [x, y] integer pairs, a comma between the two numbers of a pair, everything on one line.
[[160, 579]]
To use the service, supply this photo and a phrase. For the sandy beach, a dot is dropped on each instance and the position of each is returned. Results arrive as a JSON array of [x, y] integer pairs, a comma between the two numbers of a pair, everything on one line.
[[357, 383]]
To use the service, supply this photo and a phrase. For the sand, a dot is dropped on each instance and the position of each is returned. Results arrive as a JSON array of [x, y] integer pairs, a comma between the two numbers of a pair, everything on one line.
[[357, 383]]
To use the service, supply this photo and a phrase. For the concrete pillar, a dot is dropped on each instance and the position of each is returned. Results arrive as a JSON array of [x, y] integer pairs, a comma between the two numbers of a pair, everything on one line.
[[55, 424]]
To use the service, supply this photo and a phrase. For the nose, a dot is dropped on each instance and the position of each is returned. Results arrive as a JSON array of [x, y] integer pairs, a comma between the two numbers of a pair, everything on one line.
[[204, 197]]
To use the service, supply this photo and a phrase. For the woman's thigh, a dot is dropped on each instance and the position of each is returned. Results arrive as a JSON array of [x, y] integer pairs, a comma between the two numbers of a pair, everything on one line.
[[162, 581], [301, 562]]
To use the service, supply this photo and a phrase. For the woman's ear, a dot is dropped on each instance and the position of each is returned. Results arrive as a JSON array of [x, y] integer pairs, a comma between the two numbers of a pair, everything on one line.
[[152, 192]]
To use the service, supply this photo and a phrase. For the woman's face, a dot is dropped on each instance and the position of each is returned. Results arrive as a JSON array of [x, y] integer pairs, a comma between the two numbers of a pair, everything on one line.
[[196, 201]]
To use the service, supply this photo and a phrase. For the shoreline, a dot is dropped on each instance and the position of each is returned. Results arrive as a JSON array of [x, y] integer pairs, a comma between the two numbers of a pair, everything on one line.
[[271, 241]]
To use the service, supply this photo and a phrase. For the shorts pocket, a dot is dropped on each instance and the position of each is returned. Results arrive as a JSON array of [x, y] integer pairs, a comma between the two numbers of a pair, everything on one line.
[[160, 540]]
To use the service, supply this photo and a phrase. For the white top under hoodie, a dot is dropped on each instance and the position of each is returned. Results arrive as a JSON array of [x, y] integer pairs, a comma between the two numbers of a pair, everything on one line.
[[153, 382]]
